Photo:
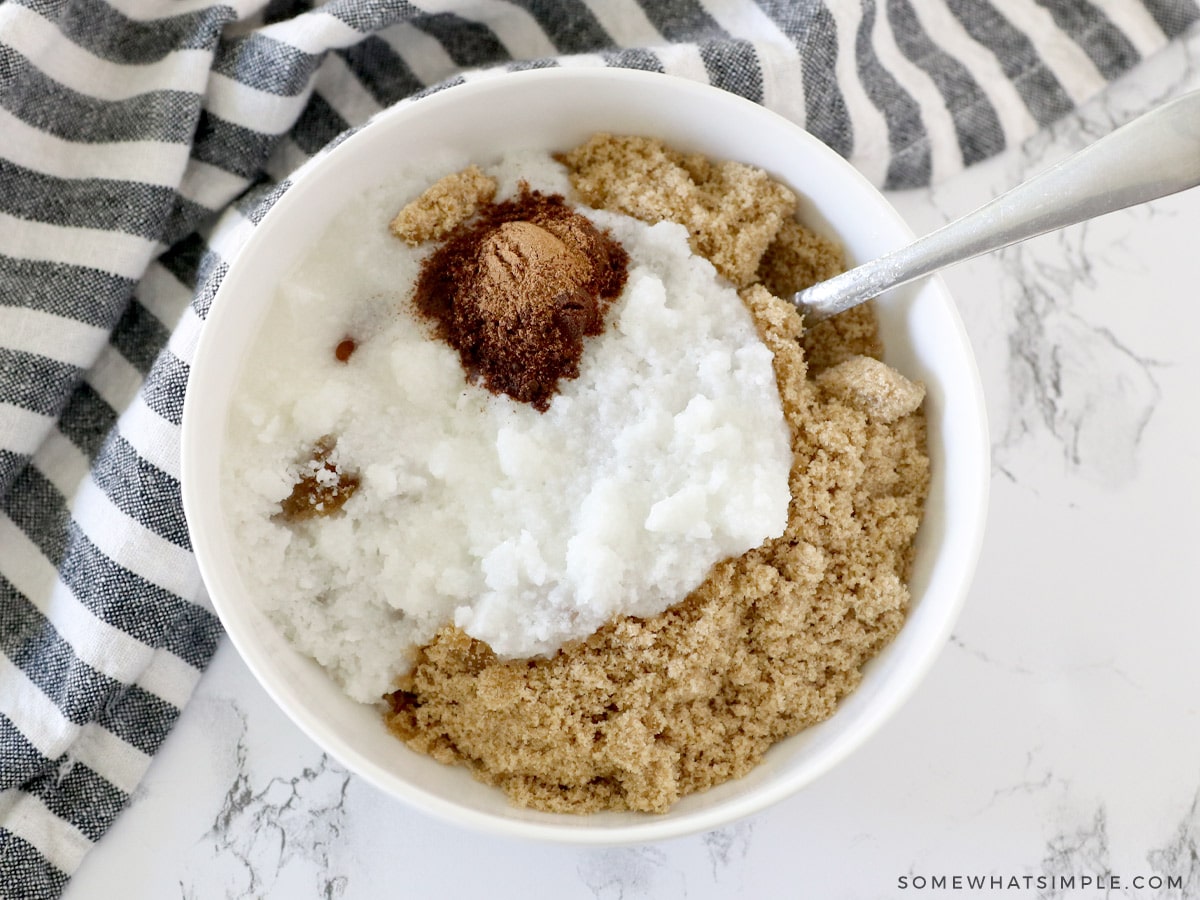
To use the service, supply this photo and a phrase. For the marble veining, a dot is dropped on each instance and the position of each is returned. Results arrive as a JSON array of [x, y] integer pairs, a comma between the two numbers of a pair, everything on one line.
[[1181, 854], [624, 872], [986, 658], [727, 847], [1077, 382], [1083, 846], [288, 818], [1035, 779], [1082, 849], [266, 825]]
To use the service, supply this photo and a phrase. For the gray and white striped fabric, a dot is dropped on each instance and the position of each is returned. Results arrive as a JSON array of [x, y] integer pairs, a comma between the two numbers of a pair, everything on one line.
[[140, 140]]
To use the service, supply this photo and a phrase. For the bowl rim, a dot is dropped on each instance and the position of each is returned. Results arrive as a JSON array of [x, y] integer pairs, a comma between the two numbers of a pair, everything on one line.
[[196, 503]]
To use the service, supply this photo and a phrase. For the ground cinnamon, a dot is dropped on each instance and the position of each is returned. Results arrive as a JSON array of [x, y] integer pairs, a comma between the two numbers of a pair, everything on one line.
[[516, 289]]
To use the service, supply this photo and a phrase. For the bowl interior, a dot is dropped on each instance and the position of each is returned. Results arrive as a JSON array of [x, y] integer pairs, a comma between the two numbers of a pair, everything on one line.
[[557, 109]]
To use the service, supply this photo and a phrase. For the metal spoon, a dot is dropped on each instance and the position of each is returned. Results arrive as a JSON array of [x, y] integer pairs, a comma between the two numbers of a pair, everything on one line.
[[1154, 155]]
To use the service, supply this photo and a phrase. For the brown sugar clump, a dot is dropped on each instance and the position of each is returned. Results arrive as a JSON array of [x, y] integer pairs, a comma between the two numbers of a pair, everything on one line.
[[516, 290], [322, 485], [445, 205], [732, 211], [798, 256], [648, 710], [831, 341], [877, 389]]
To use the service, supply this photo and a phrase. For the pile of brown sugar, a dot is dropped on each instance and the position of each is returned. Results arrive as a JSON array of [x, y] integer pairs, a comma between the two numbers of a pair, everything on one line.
[[321, 485], [647, 710]]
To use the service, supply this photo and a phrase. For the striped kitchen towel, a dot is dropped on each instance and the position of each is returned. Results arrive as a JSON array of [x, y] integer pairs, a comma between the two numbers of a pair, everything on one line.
[[140, 140]]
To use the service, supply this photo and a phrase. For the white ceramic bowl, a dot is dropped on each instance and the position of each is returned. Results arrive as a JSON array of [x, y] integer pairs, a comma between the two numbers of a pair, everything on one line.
[[556, 109]]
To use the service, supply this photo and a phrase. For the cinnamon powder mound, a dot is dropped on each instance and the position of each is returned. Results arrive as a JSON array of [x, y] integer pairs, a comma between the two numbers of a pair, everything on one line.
[[647, 710], [517, 289]]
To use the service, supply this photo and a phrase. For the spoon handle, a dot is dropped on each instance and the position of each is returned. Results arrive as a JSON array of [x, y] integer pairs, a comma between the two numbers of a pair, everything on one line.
[[1154, 155]]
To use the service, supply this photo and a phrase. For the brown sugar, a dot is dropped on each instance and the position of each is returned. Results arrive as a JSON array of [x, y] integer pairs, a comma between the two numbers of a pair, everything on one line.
[[517, 289], [322, 486], [877, 389], [797, 255], [647, 710], [445, 205], [732, 211], [345, 349]]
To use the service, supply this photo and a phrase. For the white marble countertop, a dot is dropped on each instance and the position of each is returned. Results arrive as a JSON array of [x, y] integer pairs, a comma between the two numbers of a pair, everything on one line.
[[1057, 735]]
